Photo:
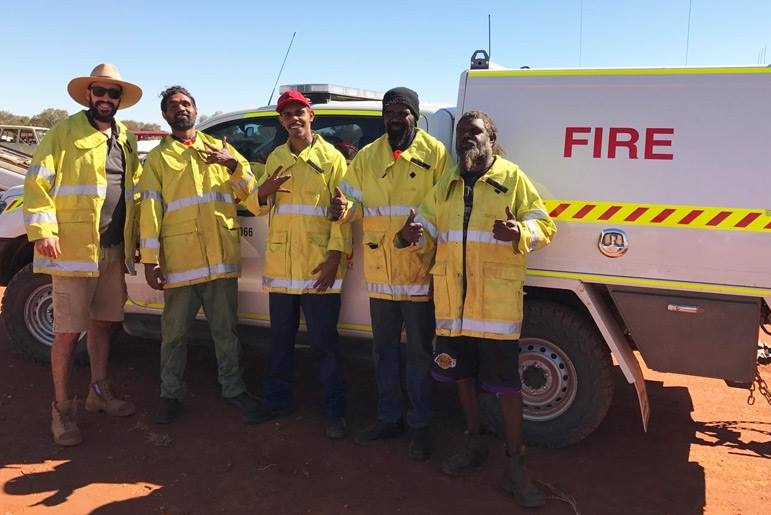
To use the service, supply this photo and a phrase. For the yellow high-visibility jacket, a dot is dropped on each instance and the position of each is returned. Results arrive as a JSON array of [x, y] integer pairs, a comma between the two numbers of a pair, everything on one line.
[[491, 306], [300, 234], [64, 191], [188, 221], [382, 191]]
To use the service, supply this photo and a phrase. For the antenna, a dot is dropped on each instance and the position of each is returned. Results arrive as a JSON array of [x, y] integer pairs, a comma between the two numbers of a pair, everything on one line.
[[580, 31], [270, 100], [688, 34], [489, 37]]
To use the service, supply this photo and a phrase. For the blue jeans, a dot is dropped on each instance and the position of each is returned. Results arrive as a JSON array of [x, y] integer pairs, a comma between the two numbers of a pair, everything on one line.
[[417, 318], [321, 314]]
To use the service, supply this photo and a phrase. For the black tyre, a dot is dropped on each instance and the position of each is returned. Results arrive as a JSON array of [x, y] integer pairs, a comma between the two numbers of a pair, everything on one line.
[[28, 316], [566, 373]]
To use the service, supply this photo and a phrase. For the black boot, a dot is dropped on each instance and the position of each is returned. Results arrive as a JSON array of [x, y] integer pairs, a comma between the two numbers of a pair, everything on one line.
[[473, 454], [518, 483], [420, 444]]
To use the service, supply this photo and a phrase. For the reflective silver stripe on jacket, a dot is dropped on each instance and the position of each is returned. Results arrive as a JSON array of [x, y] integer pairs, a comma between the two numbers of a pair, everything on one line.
[[96, 190], [427, 226], [398, 289], [532, 226], [536, 214], [300, 209], [245, 181], [350, 191], [201, 273], [65, 266], [41, 172], [479, 326], [212, 196], [296, 284], [128, 194], [150, 243], [46, 217], [471, 236], [151, 195], [388, 211]]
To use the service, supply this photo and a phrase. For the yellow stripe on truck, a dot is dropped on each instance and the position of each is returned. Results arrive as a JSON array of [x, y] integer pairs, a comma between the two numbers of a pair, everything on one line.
[[660, 215], [620, 71], [655, 283], [325, 112]]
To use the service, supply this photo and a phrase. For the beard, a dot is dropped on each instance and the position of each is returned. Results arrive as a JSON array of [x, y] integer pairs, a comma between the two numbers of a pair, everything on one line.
[[182, 122], [102, 111], [473, 158], [399, 135]]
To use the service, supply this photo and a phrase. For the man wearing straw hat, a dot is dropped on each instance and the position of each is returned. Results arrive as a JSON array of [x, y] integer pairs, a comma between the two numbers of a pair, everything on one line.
[[79, 210]]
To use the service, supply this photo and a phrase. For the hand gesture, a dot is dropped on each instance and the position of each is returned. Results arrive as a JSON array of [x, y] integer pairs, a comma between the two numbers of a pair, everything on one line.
[[154, 277], [327, 272], [221, 156], [412, 231], [506, 230], [337, 205], [48, 247], [273, 185]]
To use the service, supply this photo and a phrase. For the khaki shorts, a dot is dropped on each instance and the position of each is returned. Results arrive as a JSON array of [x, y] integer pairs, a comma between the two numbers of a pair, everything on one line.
[[78, 300]]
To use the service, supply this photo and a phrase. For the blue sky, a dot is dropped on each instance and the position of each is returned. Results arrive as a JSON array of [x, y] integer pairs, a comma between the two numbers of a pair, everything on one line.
[[228, 53]]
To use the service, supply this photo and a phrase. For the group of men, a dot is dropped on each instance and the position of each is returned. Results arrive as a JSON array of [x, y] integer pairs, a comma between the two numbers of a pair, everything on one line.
[[444, 259]]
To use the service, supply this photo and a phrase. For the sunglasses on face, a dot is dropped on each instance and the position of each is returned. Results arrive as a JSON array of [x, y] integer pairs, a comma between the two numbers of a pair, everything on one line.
[[99, 91]]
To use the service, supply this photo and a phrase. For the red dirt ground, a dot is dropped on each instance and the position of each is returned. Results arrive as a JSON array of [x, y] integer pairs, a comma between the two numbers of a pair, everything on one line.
[[706, 451]]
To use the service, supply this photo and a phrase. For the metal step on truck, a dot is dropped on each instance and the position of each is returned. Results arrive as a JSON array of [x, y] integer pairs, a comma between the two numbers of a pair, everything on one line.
[[653, 176]]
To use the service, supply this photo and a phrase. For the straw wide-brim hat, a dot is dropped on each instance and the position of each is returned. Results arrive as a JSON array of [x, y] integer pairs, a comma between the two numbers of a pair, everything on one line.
[[104, 73]]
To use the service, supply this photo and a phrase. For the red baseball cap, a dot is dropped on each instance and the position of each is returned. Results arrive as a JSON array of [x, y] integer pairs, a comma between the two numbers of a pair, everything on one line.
[[291, 96]]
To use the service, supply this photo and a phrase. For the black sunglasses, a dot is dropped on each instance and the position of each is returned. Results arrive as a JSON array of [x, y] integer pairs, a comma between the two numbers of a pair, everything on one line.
[[99, 91]]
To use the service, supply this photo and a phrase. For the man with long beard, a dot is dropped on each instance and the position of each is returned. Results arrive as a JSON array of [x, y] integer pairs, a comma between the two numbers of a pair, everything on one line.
[[190, 245], [79, 210], [480, 221], [386, 179]]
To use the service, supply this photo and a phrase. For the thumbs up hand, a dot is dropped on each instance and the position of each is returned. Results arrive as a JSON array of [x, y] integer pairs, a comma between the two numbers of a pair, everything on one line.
[[506, 230], [337, 204], [412, 231]]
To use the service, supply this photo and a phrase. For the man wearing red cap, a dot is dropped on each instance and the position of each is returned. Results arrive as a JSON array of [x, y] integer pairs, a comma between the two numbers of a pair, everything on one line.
[[79, 210], [303, 266], [386, 179]]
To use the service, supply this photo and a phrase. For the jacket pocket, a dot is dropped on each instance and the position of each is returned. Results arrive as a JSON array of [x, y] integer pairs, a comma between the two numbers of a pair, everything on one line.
[[180, 246], [375, 266], [277, 255], [230, 240], [316, 252], [502, 287], [441, 287], [78, 234]]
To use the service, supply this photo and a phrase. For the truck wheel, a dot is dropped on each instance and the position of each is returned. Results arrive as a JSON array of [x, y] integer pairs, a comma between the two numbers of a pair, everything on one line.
[[566, 373], [28, 316]]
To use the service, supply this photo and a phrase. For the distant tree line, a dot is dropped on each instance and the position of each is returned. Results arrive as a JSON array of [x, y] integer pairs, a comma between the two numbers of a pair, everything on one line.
[[48, 117]]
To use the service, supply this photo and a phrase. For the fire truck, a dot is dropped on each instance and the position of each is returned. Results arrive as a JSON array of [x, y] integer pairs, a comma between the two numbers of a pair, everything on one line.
[[653, 176]]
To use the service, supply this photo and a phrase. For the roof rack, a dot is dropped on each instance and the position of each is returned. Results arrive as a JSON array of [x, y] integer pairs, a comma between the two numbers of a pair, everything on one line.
[[323, 93]]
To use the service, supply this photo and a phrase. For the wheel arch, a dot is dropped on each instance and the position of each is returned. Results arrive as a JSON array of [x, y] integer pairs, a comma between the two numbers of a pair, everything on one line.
[[593, 301]]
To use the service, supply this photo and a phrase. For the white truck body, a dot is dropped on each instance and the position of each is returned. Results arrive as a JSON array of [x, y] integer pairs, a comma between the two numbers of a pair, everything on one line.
[[655, 179]]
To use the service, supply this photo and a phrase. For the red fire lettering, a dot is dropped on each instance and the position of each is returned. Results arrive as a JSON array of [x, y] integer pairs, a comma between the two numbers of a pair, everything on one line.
[[597, 153], [614, 141], [571, 139], [651, 141]]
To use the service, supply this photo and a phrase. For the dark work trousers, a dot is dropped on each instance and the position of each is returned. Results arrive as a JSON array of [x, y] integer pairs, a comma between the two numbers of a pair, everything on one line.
[[321, 314], [417, 318], [220, 303]]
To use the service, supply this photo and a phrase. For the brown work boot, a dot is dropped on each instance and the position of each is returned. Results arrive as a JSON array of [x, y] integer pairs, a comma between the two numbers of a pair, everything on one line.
[[64, 424], [466, 460], [518, 483], [100, 398]]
